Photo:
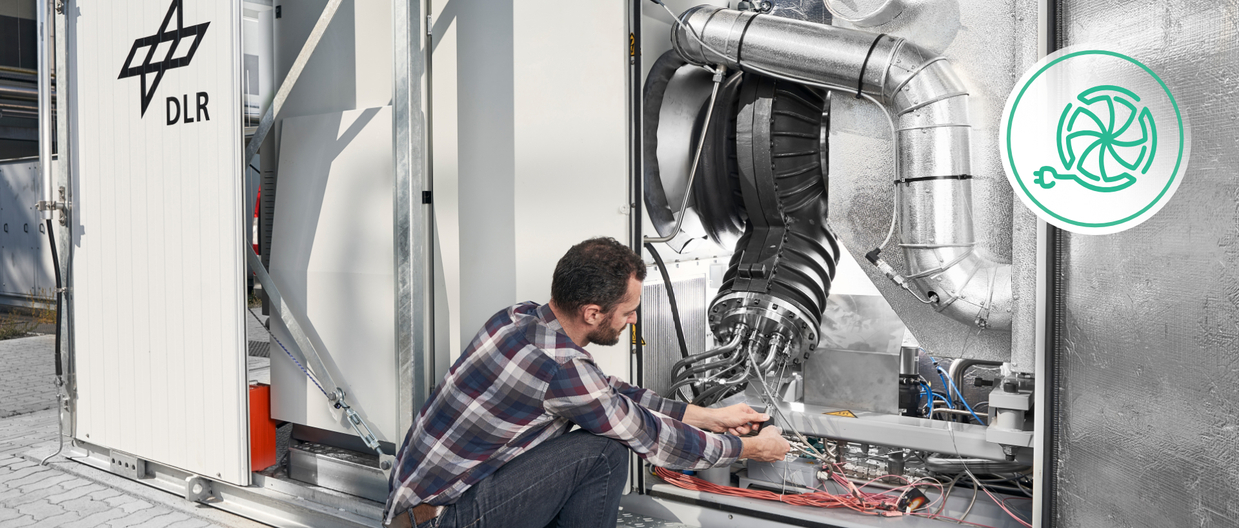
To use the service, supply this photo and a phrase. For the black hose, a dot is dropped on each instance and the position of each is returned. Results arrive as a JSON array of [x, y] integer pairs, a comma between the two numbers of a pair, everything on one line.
[[705, 367], [675, 308], [711, 393], [692, 380], [707, 354], [656, 205], [51, 237]]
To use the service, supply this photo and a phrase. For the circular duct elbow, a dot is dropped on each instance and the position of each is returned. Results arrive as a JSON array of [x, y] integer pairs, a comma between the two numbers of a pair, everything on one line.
[[928, 104]]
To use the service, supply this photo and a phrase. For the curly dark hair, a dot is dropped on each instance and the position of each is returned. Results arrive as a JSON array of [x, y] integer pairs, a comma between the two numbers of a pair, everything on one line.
[[595, 271]]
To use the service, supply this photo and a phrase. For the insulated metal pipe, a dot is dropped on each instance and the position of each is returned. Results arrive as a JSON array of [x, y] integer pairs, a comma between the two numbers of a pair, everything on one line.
[[45, 107], [929, 106], [16, 91]]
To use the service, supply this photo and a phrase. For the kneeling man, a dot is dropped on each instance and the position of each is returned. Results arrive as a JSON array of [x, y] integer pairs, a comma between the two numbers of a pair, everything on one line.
[[491, 447]]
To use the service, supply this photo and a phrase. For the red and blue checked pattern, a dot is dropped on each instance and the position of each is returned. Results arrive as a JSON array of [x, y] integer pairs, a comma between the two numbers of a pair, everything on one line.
[[521, 382]]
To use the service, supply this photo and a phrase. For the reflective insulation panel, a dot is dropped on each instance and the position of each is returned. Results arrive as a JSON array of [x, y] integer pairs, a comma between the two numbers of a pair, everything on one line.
[[1148, 372], [988, 44], [661, 348]]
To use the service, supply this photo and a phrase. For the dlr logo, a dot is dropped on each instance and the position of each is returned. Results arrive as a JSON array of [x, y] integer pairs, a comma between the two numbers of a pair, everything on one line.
[[175, 106]]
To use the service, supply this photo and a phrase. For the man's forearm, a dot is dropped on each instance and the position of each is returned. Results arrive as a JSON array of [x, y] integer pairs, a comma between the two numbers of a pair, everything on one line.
[[760, 448], [699, 417]]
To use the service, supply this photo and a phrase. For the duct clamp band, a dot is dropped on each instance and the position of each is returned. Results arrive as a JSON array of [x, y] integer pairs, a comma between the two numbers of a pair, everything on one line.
[[860, 78]]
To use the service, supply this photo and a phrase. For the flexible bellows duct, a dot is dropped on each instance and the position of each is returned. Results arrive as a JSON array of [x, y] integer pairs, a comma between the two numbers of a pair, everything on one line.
[[780, 272], [763, 190], [929, 105]]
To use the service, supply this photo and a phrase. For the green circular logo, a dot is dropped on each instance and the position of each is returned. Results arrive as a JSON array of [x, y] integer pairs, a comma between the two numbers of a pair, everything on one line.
[[1094, 141]]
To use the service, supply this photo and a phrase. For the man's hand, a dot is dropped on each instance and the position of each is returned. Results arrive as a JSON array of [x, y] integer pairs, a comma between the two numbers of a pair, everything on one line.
[[738, 419], [768, 446]]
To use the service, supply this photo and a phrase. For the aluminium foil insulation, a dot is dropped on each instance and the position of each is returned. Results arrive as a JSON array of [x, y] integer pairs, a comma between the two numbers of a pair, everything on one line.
[[1148, 372], [929, 105]]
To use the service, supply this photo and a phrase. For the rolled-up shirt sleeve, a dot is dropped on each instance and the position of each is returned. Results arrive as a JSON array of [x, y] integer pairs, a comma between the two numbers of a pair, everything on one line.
[[581, 393]]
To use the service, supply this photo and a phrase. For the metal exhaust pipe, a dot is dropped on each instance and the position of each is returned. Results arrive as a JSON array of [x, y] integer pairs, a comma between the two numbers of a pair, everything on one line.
[[929, 106], [45, 107]]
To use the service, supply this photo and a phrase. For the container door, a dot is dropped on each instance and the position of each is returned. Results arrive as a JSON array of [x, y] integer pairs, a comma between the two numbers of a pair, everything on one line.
[[158, 273]]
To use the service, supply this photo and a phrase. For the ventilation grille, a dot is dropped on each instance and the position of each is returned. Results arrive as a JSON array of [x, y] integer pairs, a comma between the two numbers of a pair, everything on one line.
[[661, 349]]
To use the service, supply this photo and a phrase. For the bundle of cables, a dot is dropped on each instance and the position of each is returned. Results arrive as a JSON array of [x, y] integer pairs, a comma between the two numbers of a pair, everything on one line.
[[978, 485], [889, 503]]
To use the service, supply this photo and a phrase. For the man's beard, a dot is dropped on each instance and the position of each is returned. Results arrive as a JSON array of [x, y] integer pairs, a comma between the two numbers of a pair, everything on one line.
[[605, 335]]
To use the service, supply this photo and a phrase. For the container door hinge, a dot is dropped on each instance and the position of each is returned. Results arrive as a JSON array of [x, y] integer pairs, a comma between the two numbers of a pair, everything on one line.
[[427, 197]]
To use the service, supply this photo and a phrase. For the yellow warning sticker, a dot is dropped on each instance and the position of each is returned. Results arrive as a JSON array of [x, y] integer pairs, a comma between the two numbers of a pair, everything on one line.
[[633, 331], [845, 414]]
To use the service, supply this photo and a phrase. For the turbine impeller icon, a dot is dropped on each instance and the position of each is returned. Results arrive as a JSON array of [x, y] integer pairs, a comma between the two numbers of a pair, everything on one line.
[[1104, 139]]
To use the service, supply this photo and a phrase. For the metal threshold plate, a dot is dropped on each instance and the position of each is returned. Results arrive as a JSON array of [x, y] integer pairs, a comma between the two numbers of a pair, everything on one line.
[[338, 469]]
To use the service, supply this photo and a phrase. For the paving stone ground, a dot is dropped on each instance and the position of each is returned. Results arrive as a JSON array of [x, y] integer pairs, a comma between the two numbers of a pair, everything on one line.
[[52, 496], [26, 373]]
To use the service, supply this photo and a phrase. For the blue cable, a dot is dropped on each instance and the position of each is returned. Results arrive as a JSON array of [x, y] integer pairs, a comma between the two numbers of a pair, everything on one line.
[[943, 398], [290, 354], [929, 393], [941, 378], [961, 398]]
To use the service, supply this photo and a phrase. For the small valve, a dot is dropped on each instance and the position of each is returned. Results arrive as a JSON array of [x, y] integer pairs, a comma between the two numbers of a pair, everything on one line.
[[885, 268]]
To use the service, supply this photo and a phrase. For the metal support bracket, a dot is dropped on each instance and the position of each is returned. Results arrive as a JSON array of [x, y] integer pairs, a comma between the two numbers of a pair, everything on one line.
[[128, 465], [61, 205], [301, 346]]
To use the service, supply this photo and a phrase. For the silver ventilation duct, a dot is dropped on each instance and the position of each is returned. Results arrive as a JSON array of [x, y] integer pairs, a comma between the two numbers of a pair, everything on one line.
[[928, 106]]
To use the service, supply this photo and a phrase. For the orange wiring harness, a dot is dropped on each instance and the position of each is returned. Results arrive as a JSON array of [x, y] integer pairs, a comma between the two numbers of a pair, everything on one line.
[[881, 503]]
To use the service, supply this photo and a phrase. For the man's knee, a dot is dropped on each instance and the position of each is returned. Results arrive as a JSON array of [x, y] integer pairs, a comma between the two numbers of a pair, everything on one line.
[[616, 452], [610, 452], [605, 447]]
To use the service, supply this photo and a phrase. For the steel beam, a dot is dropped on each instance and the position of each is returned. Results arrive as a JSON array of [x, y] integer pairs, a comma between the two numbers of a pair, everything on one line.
[[45, 105], [302, 349], [413, 213], [290, 80]]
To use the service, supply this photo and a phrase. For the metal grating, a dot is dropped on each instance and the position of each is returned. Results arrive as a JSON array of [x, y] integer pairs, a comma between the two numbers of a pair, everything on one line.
[[661, 349], [260, 349]]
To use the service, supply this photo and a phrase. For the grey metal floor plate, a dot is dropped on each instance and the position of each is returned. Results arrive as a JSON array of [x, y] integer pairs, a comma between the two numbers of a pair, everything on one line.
[[632, 520]]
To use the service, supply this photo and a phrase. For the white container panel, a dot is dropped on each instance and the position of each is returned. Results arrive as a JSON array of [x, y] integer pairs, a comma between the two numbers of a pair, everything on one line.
[[331, 258], [158, 239]]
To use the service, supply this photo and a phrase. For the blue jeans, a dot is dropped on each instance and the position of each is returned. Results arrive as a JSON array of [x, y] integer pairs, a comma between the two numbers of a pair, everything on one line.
[[572, 481]]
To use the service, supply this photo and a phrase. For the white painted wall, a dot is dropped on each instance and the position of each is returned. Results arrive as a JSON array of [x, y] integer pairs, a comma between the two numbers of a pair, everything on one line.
[[332, 254], [530, 150], [331, 258]]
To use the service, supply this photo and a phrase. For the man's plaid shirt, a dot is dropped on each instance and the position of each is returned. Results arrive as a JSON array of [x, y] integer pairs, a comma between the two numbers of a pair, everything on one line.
[[521, 382]]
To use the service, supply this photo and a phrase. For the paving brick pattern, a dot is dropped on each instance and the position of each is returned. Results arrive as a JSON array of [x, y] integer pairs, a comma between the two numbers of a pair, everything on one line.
[[49, 496], [26, 374]]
